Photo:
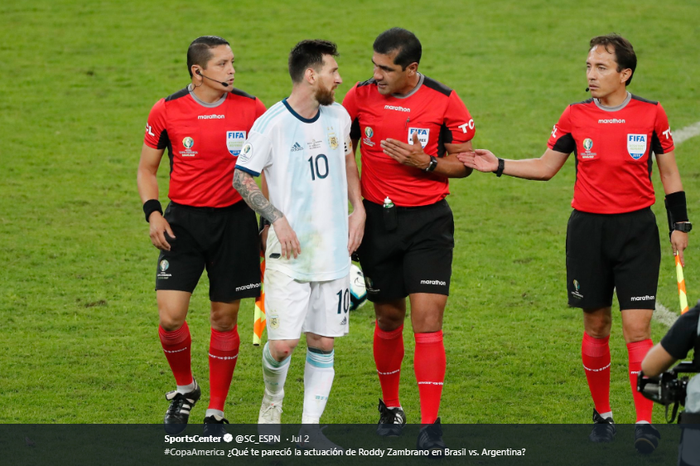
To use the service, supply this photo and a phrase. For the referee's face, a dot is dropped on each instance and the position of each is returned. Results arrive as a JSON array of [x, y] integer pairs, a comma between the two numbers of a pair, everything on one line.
[[390, 77], [220, 67], [604, 80]]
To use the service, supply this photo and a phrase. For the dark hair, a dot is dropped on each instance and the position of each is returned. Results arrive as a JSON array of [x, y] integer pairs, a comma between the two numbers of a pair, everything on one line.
[[309, 54], [199, 52], [402, 40], [623, 50]]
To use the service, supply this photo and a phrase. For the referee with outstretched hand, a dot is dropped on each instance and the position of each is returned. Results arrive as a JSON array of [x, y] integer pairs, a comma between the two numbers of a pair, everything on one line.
[[612, 241], [206, 225]]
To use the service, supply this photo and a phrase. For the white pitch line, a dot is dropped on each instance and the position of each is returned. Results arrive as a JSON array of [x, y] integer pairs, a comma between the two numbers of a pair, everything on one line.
[[683, 134], [662, 313]]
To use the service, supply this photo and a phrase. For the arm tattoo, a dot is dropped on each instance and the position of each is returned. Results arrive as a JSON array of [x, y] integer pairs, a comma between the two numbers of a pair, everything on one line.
[[251, 194]]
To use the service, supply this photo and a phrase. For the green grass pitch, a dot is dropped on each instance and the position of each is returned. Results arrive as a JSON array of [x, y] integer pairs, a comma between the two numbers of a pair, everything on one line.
[[77, 309]]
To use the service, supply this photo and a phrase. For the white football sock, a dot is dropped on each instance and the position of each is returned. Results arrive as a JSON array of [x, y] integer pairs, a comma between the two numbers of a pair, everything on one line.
[[274, 373], [318, 380]]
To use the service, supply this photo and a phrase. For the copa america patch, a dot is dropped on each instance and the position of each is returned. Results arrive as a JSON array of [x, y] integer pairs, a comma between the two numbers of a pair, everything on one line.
[[246, 153], [234, 141], [636, 145]]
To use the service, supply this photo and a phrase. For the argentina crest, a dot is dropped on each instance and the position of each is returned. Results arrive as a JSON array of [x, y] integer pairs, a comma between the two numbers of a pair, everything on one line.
[[332, 139]]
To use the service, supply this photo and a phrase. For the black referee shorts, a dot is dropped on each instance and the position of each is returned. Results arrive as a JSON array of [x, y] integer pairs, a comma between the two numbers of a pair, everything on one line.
[[224, 240], [415, 257], [614, 252]]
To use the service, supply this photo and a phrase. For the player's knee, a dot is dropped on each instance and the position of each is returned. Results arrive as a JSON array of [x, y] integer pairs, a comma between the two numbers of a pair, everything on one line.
[[319, 344], [281, 349]]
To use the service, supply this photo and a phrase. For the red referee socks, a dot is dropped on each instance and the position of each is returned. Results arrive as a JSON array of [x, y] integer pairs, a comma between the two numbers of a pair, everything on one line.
[[429, 366], [636, 352], [223, 354], [595, 354], [388, 355], [176, 346]]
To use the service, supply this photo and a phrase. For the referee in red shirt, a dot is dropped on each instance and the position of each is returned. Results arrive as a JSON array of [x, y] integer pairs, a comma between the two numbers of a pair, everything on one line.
[[410, 126], [612, 239], [206, 225]]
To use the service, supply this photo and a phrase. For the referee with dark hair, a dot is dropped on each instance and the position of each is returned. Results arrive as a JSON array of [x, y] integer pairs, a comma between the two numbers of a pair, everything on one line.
[[612, 239], [411, 128], [206, 225]]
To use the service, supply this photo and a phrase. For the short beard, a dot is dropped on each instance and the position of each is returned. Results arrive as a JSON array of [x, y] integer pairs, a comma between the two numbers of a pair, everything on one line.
[[324, 96]]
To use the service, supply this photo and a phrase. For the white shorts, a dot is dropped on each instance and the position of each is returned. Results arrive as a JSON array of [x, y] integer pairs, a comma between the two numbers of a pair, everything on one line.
[[293, 307]]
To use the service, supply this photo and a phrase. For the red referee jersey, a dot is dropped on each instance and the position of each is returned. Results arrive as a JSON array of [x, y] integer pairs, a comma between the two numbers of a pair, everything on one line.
[[433, 111], [613, 152], [203, 143]]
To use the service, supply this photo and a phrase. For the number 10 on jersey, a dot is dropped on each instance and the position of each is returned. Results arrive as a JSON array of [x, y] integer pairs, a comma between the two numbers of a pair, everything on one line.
[[318, 166]]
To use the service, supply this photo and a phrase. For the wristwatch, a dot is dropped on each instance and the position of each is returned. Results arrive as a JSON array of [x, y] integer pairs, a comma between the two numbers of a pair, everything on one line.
[[685, 227], [433, 163]]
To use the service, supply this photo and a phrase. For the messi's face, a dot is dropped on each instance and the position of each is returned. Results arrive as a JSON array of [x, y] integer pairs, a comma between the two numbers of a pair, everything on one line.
[[328, 80]]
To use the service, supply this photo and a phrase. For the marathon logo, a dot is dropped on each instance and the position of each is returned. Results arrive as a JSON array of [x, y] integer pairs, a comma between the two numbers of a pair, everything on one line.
[[642, 298], [211, 117], [248, 287], [433, 282], [611, 121], [398, 109]]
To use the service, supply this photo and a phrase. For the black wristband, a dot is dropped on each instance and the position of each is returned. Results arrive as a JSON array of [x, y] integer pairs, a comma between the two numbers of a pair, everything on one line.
[[676, 208], [150, 206], [263, 223], [501, 166]]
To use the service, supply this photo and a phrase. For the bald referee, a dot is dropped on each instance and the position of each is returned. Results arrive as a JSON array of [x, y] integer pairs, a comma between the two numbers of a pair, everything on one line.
[[206, 225]]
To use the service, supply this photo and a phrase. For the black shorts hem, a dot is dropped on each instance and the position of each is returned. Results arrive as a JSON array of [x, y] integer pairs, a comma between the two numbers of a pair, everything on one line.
[[237, 297], [595, 306]]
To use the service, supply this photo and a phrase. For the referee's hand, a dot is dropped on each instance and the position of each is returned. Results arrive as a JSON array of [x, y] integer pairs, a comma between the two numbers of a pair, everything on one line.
[[679, 241], [159, 228]]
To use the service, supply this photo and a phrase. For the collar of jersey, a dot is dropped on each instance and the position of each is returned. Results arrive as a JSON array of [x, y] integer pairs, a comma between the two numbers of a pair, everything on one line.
[[190, 88], [617, 107], [299, 117]]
